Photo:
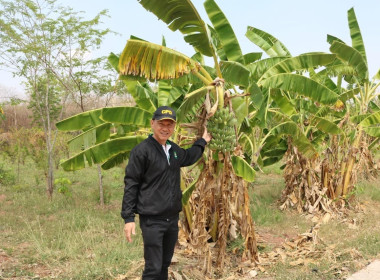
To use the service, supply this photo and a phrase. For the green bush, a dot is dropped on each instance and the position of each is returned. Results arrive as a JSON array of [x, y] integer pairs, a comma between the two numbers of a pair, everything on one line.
[[7, 177]]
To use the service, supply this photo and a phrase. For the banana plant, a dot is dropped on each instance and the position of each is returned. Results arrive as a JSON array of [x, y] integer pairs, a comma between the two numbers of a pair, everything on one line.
[[364, 113], [201, 103]]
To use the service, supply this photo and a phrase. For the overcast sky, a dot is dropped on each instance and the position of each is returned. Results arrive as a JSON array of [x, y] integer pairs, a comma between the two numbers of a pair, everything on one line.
[[301, 25]]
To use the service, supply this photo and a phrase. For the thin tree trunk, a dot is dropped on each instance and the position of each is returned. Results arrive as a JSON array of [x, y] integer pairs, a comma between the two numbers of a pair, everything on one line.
[[101, 192]]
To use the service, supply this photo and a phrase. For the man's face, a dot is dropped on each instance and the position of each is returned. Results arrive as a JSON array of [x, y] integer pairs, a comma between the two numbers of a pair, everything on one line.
[[162, 130]]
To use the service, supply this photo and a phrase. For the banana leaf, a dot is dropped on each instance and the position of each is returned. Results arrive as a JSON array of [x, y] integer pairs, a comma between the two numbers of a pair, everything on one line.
[[168, 94], [291, 129], [252, 57], [301, 62], [127, 115], [154, 62], [326, 126], [352, 57], [331, 39], [258, 68], [181, 15], [356, 36], [80, 121], [302, 86], [225, 32], [243, 169], [90, 137], [235, 73], [269, 44], [102, 152]]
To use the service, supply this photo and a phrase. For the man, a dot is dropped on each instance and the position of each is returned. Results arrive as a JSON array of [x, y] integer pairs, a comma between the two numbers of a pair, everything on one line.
[[152, 190]]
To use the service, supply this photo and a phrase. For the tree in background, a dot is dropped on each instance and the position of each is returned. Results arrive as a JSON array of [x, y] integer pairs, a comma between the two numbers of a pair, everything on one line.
[[48, 45]]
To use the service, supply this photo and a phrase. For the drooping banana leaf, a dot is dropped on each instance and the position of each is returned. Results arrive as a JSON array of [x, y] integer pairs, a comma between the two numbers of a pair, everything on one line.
[[269, 44], [356, 36], [291, 129], [80, 121], [113, 59], [235, 73], [127, 115], [243, 169], [102, 152], [352, 57], [225, 32], [181, 15], [192, 100], [115, 161], [154, 62], [303, 86], [301, 62]]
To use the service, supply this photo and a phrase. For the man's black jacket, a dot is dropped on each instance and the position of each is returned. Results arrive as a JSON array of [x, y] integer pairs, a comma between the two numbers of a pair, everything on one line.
[[152, 186]]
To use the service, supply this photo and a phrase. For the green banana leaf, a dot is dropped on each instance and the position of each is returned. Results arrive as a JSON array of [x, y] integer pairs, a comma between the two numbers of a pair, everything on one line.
[[257, 96], [359, 118], [348, 94], [186, 194], [243, 169], [240, 107], [225, 32], [167, 94], [326, 126], [371, 124], [301, 62], [323, 78], [191, 102], [115, 161], [235, 73], [127, 115], [154, 62], [258, 68], [283, 102], [377, 75], [352, 57], [269, 44], [102, 152], [302, 86], [81, 121], [291, 129], [331, 39], [90, 137], [181, 15], [252, 57], [356, 36]]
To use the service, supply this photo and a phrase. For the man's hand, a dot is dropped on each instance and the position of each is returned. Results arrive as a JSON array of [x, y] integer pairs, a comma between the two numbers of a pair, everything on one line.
[[207, 136], [129, 229]]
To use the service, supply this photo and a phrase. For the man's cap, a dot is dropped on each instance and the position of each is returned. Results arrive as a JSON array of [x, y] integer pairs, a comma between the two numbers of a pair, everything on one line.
[[164, 113]]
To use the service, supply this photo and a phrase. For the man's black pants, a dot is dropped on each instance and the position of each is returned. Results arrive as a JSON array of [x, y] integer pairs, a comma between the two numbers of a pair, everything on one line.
[[160, 236]]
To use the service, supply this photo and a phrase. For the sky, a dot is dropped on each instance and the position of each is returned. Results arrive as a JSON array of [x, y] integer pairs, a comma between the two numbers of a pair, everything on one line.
[[301, 25]]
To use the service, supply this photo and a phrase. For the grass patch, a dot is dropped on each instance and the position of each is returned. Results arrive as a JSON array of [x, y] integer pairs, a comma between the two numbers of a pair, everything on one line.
[[72, 237]]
